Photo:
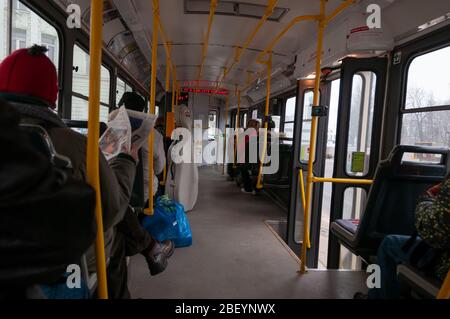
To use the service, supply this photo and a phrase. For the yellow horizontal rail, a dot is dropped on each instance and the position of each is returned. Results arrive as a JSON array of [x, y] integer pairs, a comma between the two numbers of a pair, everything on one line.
[[338, 10], [342, 181]]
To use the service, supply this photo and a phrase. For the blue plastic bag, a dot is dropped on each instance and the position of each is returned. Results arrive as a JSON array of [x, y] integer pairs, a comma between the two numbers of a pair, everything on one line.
[[169, 222], [60, 290]]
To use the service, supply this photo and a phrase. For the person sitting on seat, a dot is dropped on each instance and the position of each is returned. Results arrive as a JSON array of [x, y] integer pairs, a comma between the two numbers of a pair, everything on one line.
[[433, 227], [245, 168], [29, 82], [135, 106]]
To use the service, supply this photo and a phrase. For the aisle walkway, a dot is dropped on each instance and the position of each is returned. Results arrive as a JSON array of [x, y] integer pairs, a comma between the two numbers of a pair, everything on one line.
[[235, 255]]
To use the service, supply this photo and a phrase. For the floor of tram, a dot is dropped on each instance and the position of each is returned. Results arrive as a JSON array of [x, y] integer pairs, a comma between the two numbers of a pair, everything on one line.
[[235, 255]]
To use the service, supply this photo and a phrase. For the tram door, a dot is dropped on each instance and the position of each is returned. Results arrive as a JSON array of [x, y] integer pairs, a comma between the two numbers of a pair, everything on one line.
[[302, 133], [348, 147], [357, 146]]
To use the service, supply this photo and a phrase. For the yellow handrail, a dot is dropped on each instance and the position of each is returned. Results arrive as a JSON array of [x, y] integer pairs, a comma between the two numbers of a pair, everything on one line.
[[259, 184], [444, 293], [212, 12], [342, 181], [309, 183], [323, 21], [303, 196], [93, 153], [271, 4], [149, 209], [283, 32]]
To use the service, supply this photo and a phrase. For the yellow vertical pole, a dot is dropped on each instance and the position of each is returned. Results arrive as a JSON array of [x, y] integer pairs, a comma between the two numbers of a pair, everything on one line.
[[259, 184], [303, 197], [93, 153], [238, 124], [444, 293], [227, 106], [312, 147], [149, 210]]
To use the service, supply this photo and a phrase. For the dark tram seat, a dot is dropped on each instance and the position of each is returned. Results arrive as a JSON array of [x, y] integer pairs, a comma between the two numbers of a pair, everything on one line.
[[392, 200], [281, 178]]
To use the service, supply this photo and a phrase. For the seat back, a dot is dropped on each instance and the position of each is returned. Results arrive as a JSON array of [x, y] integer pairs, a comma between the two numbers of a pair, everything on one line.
[[392, 200], [82, 126], [281, 177]]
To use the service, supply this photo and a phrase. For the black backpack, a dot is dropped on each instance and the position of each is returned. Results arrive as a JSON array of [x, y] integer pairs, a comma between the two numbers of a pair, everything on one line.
[[47, 219]]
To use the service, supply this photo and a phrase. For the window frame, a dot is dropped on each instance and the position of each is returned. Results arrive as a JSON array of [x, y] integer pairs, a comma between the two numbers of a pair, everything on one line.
[[61, 38], [82, 96], [404, 89], [403, 109]]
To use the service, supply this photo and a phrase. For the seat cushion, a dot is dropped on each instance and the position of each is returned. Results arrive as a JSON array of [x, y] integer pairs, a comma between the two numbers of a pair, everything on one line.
[[350, 225]]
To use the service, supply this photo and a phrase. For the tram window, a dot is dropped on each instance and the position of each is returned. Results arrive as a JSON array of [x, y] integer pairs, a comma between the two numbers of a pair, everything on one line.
[[49, 41], [308, 101], [255, 114], [80, 110], [121, 88], [354, 203], [428, 83], [289, 117], [4, 25], [20, 6], [428, 87], [81, 75], [361, 122], [28, 29], [19, 39], [426, 129], [80, 87], [244, 121]]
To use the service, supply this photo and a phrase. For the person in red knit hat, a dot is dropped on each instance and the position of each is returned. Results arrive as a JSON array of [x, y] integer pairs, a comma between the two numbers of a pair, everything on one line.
[[28, 75], [29, 82]]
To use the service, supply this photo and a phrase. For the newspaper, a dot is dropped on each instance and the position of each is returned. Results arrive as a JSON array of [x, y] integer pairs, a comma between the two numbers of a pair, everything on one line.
[[142, 125], [126, 130]]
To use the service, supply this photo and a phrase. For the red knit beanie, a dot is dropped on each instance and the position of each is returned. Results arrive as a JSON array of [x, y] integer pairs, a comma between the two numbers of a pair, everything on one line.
[[30, 72]]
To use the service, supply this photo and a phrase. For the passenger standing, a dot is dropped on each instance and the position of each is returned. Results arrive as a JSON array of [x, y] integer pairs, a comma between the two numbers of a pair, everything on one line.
[[135, 106], [244, 149]]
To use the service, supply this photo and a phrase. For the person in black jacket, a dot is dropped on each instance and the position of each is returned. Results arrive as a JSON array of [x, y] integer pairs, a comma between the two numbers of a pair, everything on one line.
[[47, 219]]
